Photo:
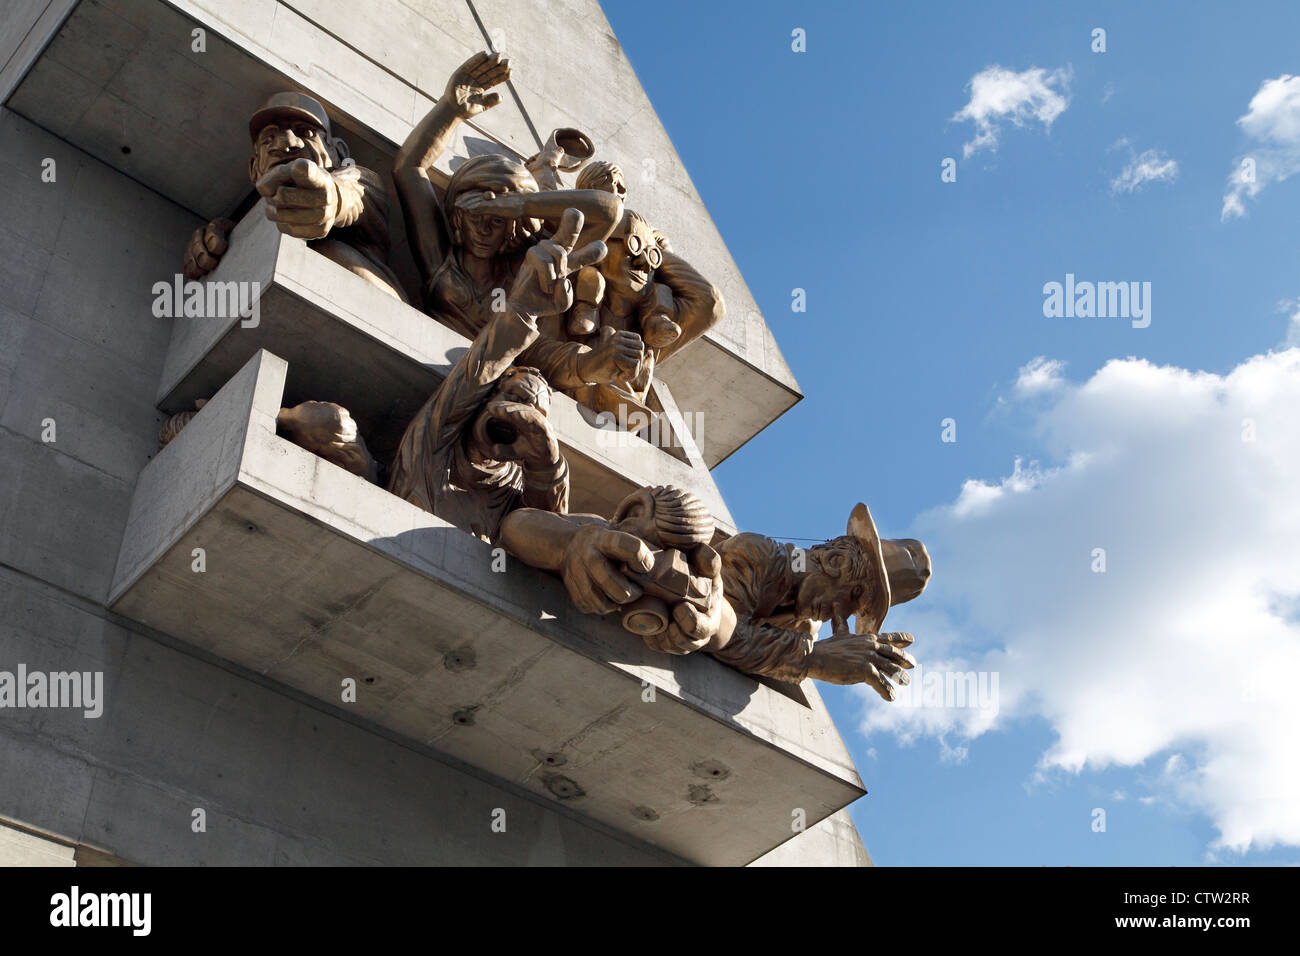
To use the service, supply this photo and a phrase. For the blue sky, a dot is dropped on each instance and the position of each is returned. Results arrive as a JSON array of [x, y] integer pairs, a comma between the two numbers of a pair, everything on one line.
[[1153, 691]]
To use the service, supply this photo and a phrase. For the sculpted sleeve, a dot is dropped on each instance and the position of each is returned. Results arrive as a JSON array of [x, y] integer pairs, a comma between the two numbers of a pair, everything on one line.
[[768, 650], [363, 205], [697, 302]]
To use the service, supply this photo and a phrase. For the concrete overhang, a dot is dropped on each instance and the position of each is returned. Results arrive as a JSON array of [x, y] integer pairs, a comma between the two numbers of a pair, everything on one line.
[[312, 576]]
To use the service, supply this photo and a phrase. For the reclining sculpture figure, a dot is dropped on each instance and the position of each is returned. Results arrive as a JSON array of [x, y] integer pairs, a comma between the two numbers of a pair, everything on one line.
[[765, 598]]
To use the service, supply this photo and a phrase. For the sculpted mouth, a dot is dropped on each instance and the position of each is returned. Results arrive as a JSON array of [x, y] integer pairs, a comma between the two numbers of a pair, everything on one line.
[[502, 433]]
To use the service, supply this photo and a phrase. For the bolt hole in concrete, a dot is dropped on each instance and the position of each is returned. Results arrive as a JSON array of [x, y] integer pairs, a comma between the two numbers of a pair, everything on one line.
[[370, 680], [126, 150]]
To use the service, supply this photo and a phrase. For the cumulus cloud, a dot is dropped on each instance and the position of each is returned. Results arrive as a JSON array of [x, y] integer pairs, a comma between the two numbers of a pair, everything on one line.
[[1272, 129], [1177, 657], [999, 96], [1149, 166], [1039, 375]]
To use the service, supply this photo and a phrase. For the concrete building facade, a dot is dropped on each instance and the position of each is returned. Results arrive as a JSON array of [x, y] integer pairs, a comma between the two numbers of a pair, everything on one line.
[[488, 722]]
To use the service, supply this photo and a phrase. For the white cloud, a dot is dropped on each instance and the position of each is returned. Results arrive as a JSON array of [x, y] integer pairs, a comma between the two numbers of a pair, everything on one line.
[[1293, 327], [1002, 96], [1272, 129], [1147, 167], [1041, 374], [1180, 656]]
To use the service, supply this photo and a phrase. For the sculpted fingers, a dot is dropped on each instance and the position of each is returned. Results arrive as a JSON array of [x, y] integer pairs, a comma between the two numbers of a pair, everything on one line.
[[304, 172], [878, 683], [588, 255], [216, 236], [273, 180], [625, 547], [570, 226]]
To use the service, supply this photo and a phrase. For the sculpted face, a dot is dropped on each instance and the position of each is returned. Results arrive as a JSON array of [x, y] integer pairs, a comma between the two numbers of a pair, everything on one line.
[[835, 585], [612, 182], [287, 139], [494, 427], [631, 261], [482, 234]]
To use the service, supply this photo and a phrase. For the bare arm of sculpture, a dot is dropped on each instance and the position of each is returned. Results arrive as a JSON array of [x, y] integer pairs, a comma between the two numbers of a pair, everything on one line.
[[584, 550], [698, 304], [569, 365], [466, 95]]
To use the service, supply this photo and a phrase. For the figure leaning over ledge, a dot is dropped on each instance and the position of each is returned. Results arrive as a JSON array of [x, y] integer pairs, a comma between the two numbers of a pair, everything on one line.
[[772, 595], [312, 190], [482, 445], [469, 245]]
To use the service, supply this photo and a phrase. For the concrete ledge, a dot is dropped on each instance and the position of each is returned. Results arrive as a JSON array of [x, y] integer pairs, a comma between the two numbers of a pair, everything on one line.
[[314, 575], [349, 342]]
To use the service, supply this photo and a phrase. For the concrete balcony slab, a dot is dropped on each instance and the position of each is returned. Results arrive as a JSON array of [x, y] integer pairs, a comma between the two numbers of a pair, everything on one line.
[[313, 577]]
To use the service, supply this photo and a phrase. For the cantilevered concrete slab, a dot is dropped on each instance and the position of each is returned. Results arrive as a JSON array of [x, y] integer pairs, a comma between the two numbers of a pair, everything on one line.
[[313, 577], [348, 342]]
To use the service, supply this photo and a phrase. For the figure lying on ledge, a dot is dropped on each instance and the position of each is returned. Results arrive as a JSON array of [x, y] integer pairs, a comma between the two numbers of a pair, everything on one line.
[[754, 603]]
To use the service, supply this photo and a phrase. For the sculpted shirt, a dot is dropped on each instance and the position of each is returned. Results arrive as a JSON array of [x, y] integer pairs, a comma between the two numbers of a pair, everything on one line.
[[696, 307], [359, 240], [433, 470], [758, 582]]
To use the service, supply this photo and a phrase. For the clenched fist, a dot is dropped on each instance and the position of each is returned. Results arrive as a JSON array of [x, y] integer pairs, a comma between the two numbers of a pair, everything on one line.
[[328, 430], [302, 198], [206, 248]]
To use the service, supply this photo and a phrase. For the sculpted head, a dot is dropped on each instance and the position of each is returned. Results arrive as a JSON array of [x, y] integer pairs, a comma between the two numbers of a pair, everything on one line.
[[292, 126], [483, 234], [840, 579], [604, 176], [665, 517], [633, 255], [495, 430], [860, 575]]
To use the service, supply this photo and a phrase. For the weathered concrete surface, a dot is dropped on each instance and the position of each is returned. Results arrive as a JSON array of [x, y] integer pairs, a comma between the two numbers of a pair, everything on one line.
[[312, 576], [19, 848], [832, 842], [342, 336], [378, 66]]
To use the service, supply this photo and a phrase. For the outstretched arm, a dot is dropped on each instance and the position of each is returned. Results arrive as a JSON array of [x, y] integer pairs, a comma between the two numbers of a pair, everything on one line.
[[601, 211], [465, 96]]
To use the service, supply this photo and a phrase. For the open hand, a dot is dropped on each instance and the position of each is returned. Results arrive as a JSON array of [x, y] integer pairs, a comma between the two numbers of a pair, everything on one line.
[[467, 88]]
